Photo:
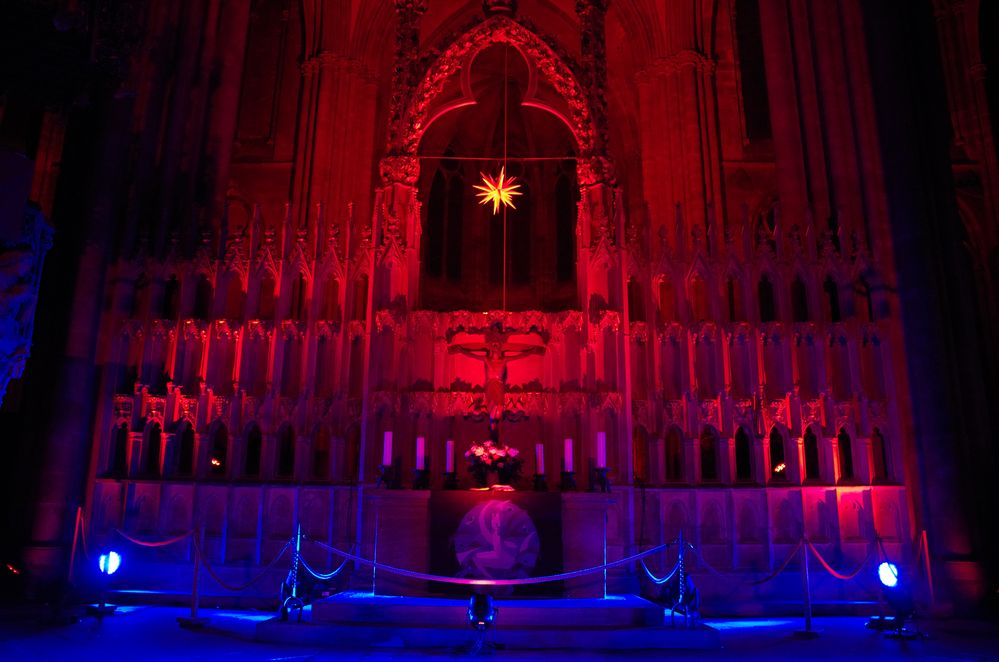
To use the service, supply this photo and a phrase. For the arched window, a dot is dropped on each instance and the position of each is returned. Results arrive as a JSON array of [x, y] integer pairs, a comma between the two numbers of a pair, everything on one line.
[[880, 452], [519, 233], [321, 454], [360, 309], [151, 463], [700, 307], [185, 455], [220, 449], [674, 455], [667, 301], [799, 300], [778, 461], [566, 196], [234, 296], [811, 455], [265, 300], [636, 303], [832, 299], [752, 70], [118, 460], [171, 299], [204, 293], [254, 447], [443, 250], [736, 310], [331, 299], [709, 456], [140, 297], [864, 303], [640, 451], [845, 455], [286, 452], [743, 456], [768, 303], [299, 298]]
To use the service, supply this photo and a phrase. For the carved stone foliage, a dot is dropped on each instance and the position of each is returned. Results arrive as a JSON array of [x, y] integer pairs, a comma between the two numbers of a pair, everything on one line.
[[497, 29], [123, 408], [673, 413]]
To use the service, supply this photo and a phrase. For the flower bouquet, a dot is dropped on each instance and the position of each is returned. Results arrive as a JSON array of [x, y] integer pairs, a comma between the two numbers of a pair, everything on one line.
[[490, 456]]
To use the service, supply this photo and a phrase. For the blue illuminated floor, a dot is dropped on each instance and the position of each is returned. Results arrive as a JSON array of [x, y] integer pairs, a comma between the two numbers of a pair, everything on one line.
[[151, 633]]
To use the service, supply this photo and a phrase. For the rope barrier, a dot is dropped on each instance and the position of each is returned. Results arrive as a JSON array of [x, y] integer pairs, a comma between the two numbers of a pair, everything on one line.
[[323, 576], [413, 574], [764, 580], [659, 581], [230, 587], [146, 543], [832, 571]]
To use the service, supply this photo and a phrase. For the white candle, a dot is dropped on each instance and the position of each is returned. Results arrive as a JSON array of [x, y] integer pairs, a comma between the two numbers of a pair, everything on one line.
[[387, 449], [539, 459], [568, 455], [449, 457], [601, 450], [421, 453]]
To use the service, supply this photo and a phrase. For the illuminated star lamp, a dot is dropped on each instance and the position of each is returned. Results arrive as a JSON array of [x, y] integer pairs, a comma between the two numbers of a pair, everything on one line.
[[498, 191]]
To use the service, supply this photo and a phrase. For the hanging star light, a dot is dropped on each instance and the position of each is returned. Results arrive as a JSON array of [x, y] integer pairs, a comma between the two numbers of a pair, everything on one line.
[[498, 191]]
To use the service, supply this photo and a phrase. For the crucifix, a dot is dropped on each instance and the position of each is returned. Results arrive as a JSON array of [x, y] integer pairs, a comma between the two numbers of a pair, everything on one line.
[[495, 353]]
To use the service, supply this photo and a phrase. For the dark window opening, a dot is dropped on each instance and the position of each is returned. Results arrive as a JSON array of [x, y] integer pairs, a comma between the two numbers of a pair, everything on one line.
[[811, 455], [799, 300], [752, 70], [768, 303], [778, 462], [254, 445], [743, 456], [709, 456], [845, 456], [171, 299], [832, 300]]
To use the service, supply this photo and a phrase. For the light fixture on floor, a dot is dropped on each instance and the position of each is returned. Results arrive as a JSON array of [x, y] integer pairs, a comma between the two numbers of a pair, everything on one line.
[[108, 564], [481, 616], [897, 594]]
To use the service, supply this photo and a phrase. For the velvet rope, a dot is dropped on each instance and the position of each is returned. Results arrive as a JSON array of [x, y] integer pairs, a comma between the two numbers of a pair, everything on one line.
[[660, 580], [243, 587], [158, 543], [324, 576], [764, 580], [832, 571], [413, 574]]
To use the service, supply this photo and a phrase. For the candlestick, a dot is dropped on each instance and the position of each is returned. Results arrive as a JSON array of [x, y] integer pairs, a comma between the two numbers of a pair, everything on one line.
[[568, 455], [539, 458], [601, 450], [421, 453], [449, 457], [387, 449]]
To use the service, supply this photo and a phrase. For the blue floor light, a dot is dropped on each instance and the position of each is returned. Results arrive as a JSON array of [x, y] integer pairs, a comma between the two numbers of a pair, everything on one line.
[[481, 616], [898, 594], [108, 564]]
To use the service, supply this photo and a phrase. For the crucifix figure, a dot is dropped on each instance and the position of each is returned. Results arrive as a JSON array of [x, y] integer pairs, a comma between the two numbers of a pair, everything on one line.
[[495, 353]]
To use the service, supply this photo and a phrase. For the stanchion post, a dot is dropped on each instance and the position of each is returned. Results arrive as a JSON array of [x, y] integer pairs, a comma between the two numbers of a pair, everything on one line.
[[925, 544], [76, 536], [605, 551], [808, 632], [194, 621]]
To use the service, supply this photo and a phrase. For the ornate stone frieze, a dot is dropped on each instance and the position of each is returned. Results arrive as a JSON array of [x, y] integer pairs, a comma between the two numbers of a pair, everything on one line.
[[496, 29], [251, 408], [673, 413], [292, 330], [259, 329], [188, 410], [845, 415], [195, 329], [123, 408], [155, 408], [813, 413]]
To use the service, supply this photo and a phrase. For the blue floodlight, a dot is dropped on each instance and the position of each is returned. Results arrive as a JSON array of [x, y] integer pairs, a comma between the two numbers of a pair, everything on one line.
[[108, 563], [888, 574]]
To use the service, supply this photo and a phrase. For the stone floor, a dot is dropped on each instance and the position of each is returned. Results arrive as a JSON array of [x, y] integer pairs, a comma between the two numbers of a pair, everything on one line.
[[152, 633]]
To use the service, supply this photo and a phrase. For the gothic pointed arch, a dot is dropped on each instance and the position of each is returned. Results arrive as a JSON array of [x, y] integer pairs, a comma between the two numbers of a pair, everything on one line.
[[421, 112]]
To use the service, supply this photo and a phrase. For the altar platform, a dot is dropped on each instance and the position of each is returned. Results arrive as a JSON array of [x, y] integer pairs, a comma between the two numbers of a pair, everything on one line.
[[624, 622]]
